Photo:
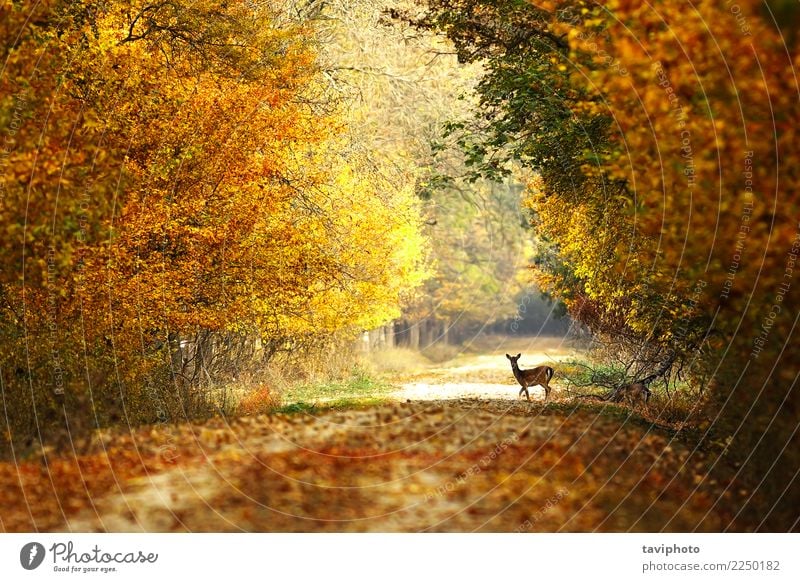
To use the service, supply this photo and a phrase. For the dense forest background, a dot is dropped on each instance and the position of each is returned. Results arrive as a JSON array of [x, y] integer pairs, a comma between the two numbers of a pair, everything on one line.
[[195, 191]]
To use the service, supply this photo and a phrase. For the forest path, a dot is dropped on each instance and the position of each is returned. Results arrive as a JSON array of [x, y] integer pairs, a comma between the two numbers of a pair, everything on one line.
[[486, 374], [494, 463]]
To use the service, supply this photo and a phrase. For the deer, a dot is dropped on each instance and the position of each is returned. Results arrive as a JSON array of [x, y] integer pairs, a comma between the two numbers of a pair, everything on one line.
[[538, 376], [633, 393]]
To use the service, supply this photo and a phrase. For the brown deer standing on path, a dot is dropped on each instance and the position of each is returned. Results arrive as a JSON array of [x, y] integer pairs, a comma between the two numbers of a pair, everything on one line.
[[539, 375]]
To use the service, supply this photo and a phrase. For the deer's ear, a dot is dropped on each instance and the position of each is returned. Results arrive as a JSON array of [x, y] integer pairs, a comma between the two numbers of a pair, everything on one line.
[[519, 356], [509, 357]]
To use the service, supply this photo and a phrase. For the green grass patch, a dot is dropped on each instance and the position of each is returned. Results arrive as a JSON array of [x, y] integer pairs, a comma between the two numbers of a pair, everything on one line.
[[358, 391], [296, 408]]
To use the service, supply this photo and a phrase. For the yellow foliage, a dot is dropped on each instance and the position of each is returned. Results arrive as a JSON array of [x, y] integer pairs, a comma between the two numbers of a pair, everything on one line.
[[177, 169]]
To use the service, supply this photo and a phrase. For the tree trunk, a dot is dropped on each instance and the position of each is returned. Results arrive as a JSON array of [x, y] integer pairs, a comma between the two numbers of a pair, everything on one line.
[[363, 342], [389, 331], [373, 339], [400, 334], [413, 335], [381, 333], [663, 369], [426, 333]]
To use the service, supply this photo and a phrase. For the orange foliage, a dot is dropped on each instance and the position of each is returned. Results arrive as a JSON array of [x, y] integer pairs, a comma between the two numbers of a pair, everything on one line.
[[258, 401], [175, 171], [663, 137]]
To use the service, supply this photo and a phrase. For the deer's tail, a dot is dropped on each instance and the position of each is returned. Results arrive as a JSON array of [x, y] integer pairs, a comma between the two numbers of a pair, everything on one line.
[[549, 373]]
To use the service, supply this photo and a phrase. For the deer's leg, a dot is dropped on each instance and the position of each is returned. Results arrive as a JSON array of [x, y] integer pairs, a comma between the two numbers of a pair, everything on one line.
[[527, 395], [521, 390], [546, 391]]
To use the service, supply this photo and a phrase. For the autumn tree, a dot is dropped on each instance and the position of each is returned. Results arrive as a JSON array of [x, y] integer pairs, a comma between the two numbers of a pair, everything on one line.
[[401, 85], [179, 195], [661, 136]]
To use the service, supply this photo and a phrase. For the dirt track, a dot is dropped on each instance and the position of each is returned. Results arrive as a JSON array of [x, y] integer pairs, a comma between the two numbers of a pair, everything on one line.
[[464, 463], [442, 466], [482, 376]]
